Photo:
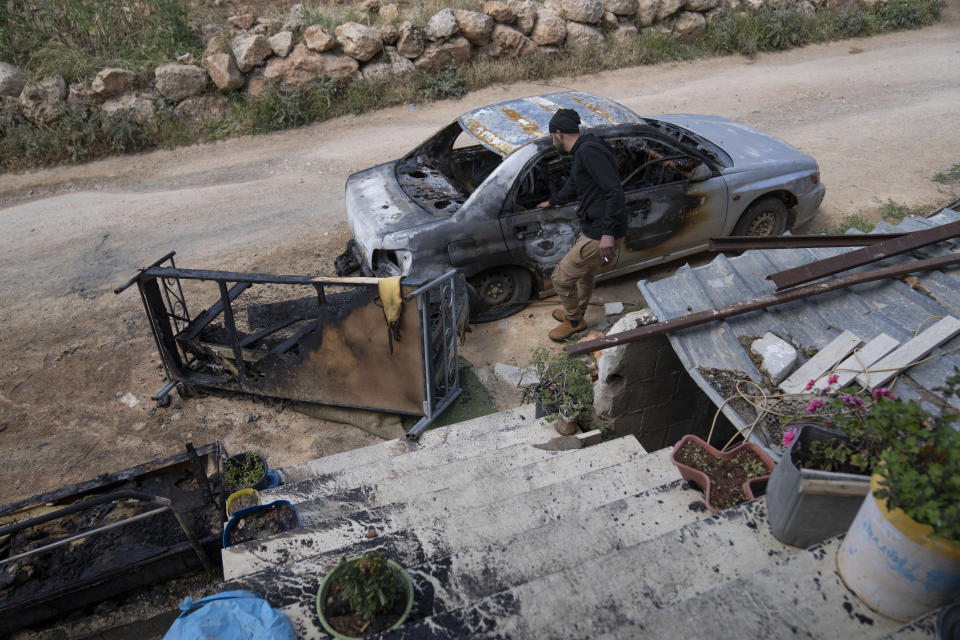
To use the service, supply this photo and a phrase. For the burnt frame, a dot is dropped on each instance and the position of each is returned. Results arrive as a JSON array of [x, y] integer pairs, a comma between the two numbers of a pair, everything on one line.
[[440, 311]]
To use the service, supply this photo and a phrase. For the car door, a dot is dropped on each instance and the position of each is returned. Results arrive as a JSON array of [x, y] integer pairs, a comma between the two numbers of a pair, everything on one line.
[[539, 238], [675, 203]]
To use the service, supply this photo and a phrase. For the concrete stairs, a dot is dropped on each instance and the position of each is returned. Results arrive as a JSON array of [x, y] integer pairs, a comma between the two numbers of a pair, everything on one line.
[[504, 539]]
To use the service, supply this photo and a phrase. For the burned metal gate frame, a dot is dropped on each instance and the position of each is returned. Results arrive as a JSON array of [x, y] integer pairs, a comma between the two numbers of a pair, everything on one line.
[[441, 311]]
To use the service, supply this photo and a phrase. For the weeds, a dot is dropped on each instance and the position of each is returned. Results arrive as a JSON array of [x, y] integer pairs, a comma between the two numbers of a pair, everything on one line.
[[448, 83], [852, 220], [74, 38], [947, 175], [894, 212], [897, 15]]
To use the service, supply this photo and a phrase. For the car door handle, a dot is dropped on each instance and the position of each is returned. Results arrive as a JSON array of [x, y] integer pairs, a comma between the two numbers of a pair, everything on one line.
[[524, 230]]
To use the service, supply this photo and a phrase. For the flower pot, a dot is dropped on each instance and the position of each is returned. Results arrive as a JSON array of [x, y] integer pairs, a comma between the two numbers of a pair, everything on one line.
[[751, 487], [261, 521], [807, 506], [948, 622], [566, 426], [542, 409], [332, 575], [262, 482], [893, 563], [237, 497]]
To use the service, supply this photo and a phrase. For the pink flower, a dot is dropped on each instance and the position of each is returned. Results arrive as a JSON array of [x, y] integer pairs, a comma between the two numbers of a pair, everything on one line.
[[882, 392], [810, 384], [833, 379], [788, 436], [813, 406]]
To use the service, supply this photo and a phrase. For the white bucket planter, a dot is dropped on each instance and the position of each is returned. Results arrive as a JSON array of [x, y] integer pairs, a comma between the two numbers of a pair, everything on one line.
[[894, 565]]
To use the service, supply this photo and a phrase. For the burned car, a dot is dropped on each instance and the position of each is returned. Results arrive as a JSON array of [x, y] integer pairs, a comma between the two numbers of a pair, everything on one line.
[[466, 198]]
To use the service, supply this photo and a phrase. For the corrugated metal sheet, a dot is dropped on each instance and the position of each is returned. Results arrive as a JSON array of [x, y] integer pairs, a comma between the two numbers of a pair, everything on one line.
[[507, 126], [867, 310]]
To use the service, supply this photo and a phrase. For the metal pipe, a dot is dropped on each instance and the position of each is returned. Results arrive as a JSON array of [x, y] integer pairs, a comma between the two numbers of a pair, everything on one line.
[[129, 282], [844, 261], [416, 292], [746, 243], [745, 306], [166, 503], [80, 536]]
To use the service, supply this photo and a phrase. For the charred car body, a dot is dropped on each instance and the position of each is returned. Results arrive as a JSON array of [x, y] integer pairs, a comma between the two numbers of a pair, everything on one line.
[[466, 198]]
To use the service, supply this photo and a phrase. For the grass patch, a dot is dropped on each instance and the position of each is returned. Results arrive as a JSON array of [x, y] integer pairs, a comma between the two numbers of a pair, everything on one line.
[[895, 212], [947, 175], [77, 38], [852, 220]]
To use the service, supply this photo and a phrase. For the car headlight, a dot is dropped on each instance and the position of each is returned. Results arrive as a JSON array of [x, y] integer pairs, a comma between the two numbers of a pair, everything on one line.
[[392, 262]]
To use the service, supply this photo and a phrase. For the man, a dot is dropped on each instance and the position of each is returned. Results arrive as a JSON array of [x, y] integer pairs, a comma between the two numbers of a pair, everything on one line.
[[595, 182]]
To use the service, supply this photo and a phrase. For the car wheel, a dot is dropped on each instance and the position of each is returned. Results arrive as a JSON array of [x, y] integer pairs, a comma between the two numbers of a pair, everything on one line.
[[498, 293], [765, 217]]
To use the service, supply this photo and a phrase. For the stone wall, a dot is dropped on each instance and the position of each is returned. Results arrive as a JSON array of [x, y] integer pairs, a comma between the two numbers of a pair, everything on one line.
[[643, 389], [256, 50]]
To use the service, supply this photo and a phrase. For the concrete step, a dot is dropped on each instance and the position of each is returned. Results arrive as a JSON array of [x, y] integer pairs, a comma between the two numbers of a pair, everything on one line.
[[493, 427], [800, 596], [482, 525], [473, 481], [454, 574], [626, 584], [922, 628], [407, 456]]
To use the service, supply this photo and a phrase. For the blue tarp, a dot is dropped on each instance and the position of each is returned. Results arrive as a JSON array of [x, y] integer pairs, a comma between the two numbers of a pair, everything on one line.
[[227, 616]]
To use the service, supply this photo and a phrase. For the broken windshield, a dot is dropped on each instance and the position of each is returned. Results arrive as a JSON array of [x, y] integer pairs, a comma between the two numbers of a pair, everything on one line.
[[440, 174]]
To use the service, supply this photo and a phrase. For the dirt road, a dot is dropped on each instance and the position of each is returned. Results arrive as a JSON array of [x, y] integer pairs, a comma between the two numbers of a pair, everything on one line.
[[880, 115]]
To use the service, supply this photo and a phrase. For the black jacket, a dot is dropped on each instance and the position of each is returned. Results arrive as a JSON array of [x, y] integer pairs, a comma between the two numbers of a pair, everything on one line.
[[595, 182]]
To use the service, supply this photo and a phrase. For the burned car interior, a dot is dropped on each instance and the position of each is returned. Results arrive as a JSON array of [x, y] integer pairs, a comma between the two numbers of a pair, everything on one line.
[[442, 173], [643, 162]]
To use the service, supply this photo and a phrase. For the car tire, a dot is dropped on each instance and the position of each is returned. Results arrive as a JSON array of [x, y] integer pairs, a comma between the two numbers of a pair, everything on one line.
[[765, 217], [499, 292]]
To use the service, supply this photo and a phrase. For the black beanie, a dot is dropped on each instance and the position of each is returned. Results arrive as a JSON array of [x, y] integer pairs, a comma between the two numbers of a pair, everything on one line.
[[565, 121]]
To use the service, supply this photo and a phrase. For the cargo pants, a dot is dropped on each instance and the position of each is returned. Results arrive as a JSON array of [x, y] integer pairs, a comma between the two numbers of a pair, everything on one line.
[[573, 278]]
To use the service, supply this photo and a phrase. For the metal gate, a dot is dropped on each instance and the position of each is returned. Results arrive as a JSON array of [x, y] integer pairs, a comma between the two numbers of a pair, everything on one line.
[[307, 338]]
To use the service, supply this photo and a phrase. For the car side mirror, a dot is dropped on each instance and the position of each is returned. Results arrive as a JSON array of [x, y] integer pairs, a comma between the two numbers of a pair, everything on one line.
[[700, 173]]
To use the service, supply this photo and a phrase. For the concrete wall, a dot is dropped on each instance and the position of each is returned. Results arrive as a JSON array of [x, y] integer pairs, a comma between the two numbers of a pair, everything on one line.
[[643, 389]]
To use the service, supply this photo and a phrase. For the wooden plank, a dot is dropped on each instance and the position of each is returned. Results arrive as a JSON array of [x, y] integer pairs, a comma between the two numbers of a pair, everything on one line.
[[861, 360], [345, 280], [821, 362], [813, 487], [909, 352]]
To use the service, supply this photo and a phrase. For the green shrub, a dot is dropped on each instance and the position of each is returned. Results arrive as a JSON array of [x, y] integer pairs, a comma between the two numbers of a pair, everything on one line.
[[896, 15], [448, 83], [852, 22], [281, 107]]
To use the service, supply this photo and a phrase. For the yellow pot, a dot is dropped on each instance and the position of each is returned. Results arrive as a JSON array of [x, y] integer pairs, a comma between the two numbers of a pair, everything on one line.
[[237, 494], [893, 563]]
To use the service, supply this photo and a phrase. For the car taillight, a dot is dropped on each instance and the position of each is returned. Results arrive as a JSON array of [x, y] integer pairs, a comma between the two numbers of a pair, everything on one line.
[[815, 177]]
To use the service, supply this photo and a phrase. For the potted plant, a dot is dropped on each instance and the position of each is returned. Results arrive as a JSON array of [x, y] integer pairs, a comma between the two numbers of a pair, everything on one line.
[[821, 479], [565, 390], [902, 553], [727, 478], [245, 470], [363, 595], [260, 521]]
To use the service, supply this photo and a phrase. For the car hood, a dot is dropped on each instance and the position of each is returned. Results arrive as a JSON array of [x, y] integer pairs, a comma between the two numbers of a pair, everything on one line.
[[745, 145], [377, 206]]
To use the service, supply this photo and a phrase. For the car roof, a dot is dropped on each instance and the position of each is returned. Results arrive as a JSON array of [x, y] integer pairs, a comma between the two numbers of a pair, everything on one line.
[[505, 127]]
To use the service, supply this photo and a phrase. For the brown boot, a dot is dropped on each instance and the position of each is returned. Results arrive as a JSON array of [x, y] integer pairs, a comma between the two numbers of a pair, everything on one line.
[[560, 315], [566, 329]]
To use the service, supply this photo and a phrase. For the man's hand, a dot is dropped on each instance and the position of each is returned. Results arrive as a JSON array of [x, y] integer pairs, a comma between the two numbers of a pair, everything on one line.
[[606, 248], [544, 205]]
